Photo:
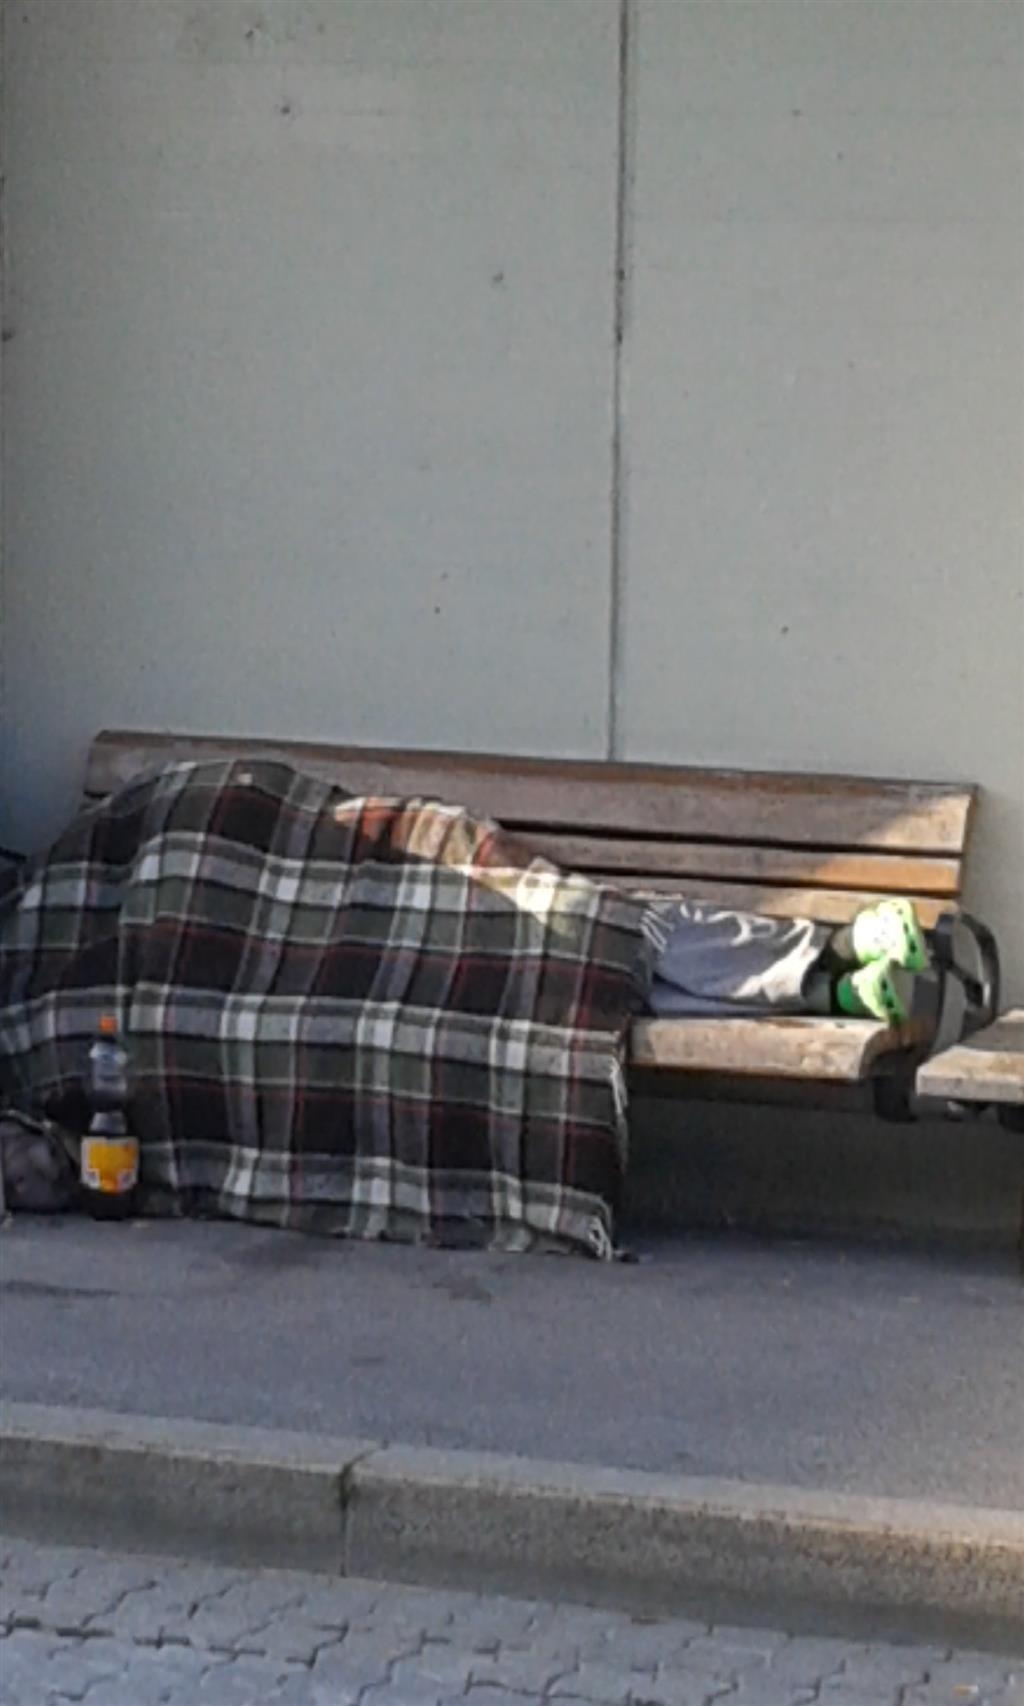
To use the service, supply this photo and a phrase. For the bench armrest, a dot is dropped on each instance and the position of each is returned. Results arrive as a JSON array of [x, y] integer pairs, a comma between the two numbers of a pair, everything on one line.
[[967, 960]]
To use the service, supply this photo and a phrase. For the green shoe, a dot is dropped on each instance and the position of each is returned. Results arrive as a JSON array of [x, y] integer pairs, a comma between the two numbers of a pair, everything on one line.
[[882, 990], [889, 931]]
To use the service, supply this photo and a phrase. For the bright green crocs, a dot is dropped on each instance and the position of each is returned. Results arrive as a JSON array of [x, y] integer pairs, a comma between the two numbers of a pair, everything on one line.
[[890, 931], [882, 990]]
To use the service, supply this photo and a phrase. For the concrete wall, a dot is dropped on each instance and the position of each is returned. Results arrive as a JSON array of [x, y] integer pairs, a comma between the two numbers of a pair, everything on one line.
[[314, 422], [823, 551], [310, 395]]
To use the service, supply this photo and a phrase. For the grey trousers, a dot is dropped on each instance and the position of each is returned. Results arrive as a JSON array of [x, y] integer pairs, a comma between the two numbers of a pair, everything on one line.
[[716, 963]]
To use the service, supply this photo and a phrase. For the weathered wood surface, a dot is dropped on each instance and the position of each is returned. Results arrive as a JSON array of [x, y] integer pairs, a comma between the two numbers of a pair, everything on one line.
[[738, 807], [844, 1051], [622, 855], [817, 846], [987, 1067]]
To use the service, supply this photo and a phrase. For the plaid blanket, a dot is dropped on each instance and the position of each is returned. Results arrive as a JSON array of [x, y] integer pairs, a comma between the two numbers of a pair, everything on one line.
[[374, 1017]]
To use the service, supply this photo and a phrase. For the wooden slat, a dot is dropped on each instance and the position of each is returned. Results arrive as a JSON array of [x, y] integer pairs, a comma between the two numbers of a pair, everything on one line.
[[886, 873], [735, 806], [831, 906], [831, 1050], [987, 1067]]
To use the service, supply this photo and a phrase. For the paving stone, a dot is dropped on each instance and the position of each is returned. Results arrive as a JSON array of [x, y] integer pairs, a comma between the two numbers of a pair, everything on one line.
[[27, 1579], [290, 1636], [332, 1687], [410, 1692], [296, 1691], [486, 1643], [24, 1660], [564, 1647], [979, 1669], [577, 1623], [353, 1664], [862, 1694], [484, 1623], [75, 1665], [524, 1673], [126, 1692], [154, 1674], [809, 1661], [200, 1636], [762, 1688], [490, 1696], [340, 1604], [35, 1568], [162, 1612], [726, 1655], [247, 1681], [376, 1651], [446, 1666], [229, 1619], [192, 1582], [744, 1638], [882, 1668], [92, 1593], [29, 1645], [411, 1630], [427, 1606], [679, 1688], [173, 1666], [971, 1679], [937, 1691], [641, 1645], [598, 1682]]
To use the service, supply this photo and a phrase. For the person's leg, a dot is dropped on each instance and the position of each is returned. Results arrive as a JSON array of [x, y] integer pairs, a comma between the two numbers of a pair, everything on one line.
[[717, 962]]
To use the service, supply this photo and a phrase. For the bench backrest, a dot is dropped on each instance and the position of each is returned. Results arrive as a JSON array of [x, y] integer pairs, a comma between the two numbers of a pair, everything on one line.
[[792, 845]]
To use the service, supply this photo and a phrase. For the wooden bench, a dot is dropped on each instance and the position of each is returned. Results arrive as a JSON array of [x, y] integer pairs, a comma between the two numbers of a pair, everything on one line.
[[790, 845], [981, 1071]]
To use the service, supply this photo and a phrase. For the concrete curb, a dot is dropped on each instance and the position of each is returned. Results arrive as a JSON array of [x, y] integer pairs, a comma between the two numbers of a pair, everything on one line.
[[245, 1495], [653, 1543]]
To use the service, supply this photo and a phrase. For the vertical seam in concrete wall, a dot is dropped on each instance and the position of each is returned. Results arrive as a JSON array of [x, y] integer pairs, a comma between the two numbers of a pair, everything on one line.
[[3, 394], [623, 164]]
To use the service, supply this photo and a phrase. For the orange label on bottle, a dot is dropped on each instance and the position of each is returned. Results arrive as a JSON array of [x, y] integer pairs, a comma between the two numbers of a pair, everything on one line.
[[110, 1164]]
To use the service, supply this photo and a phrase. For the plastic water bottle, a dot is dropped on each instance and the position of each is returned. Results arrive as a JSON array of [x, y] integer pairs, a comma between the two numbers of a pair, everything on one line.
[[110, 1155]]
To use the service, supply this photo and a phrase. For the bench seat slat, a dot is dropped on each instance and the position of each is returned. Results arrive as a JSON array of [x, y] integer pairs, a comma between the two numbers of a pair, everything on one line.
[[734, 806], [987, 1067], [839, 1051]]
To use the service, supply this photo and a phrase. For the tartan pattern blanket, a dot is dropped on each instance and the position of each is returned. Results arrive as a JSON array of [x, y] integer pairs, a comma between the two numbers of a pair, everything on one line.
[[381, 1018]]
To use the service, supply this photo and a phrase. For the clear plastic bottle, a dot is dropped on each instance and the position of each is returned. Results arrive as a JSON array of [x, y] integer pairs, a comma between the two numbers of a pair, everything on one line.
[[110, 1155]]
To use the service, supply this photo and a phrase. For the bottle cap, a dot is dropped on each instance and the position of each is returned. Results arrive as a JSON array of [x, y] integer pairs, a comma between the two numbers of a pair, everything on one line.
[[108, 1025]]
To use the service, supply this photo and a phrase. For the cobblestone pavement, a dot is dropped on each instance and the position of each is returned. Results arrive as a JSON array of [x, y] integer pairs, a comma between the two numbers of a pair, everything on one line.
[[119, 1630]]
